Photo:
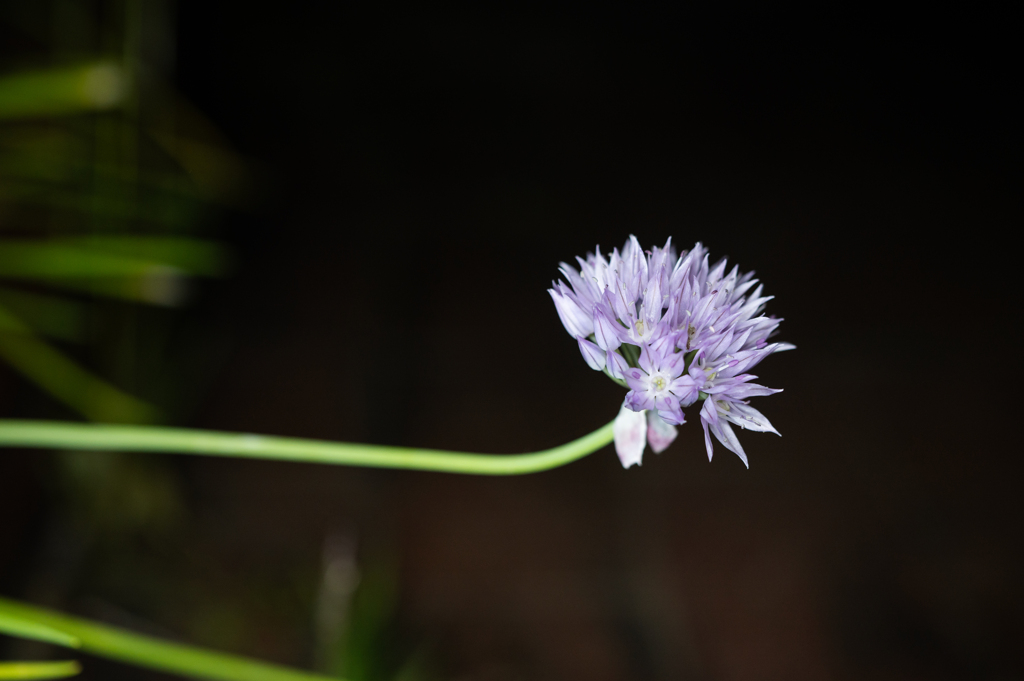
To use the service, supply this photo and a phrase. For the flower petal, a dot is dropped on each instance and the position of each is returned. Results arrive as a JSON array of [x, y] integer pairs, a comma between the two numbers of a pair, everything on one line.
[[723, 431], [748, 418], [636, 379], [591, 353], [668, 409], [639, 400], [686, 389], [604, 329], [630, 431], [708, 416], [616, 365], [659, 434], [574, 319]]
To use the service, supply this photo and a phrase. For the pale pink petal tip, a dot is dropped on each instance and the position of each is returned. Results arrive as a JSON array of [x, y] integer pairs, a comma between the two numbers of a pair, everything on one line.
[[630, 431], [659, 434]]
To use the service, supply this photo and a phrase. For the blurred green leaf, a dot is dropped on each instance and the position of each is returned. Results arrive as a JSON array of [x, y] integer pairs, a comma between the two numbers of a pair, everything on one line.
[[219, 173], [40, 153], [47, 315], [62, 91], [109, 256], [39, 670], [64, 379], [12, 625], [195, 256], [162, 209], [54, 260], [148, 269], [114, 495]]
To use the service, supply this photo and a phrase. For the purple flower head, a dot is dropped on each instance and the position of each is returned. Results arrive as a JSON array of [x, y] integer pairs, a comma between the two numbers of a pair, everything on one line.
[[674, 330]]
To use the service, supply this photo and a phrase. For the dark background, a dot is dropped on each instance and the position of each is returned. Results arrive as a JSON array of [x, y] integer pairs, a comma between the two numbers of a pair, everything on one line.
[[425, 170]]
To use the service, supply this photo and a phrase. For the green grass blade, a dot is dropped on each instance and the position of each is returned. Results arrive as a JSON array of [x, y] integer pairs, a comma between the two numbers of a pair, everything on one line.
[[47, 315], [54, 260], [13, 626], [146, 651], [194, 256], [151, 270], [62, 91], [58, 375], [39, 670]]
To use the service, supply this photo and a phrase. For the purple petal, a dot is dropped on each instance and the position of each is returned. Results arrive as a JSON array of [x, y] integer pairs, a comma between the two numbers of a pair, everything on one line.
[[616, 365], [708, 415], [686, 389], [748, 418], [591, 353], [630, 431], [575, 321], [669, 404], [645, 359], [638, 400], [604, 329], [723, 431], [636, 379]]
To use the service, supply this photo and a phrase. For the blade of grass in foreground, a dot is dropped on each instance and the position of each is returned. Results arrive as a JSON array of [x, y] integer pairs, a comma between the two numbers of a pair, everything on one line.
[[146, 651], [13, 626], [39, 670]]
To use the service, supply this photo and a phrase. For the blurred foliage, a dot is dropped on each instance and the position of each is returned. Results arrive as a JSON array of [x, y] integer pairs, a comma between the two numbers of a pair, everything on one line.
[[104, 217], [39, 670], [357, 629], [107, 178], [101, 228], [110, 184]]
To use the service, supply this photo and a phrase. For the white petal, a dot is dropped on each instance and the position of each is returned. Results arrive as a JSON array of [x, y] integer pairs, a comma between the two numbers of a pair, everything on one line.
[[630, 432], [659, 434]]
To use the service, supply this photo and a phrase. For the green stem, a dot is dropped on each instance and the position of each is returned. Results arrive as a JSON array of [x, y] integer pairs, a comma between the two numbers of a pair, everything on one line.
[[153, 653], [60, 435]]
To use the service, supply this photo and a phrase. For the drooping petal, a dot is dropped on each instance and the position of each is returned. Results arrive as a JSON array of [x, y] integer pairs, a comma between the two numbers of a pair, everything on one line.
[[659, 434], [723, 431], [630, 432], [748, 418], [708, 416], [591, 353]]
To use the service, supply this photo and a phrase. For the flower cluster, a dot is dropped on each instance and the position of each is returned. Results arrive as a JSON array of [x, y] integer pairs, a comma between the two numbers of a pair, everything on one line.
[[674, 330]]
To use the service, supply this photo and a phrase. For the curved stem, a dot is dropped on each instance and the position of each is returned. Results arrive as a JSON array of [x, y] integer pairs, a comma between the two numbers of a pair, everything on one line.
[[145, 651], [61, 435]]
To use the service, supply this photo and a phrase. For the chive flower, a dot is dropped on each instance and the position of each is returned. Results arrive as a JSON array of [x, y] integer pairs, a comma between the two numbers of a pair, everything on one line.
[[674, 331]]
